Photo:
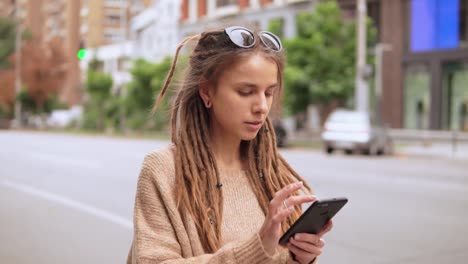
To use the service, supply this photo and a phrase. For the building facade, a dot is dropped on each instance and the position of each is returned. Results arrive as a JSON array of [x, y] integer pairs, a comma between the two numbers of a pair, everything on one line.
[[106, 22], [49, 19], [425, 74], [155, 30], [199, 15]]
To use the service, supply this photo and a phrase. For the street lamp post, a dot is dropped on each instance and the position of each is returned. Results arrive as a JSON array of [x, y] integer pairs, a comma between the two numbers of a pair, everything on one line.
[[17, 121], [361, 96], [121, 65]]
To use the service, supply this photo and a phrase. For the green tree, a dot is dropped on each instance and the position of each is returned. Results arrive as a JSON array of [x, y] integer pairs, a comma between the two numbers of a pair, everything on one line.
[[7, 41], [321, 59], [276, 26], [98, 86], [147, 80]]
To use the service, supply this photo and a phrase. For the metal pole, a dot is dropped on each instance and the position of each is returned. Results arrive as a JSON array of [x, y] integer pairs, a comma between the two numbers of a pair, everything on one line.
[[123, 26], [17, 123], [361, 91]]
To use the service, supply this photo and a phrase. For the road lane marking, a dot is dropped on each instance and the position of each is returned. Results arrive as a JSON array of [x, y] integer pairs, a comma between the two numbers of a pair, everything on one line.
[[69, 203], [59, 159]]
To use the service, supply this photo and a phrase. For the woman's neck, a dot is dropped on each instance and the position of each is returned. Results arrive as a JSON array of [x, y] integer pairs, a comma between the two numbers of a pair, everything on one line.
[[227, 153]]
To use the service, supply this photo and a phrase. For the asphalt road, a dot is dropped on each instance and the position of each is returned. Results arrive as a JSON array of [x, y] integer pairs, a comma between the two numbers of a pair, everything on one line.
[[69, 199]]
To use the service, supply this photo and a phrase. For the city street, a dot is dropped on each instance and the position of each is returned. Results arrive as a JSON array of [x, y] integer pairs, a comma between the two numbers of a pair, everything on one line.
[[69, 199]]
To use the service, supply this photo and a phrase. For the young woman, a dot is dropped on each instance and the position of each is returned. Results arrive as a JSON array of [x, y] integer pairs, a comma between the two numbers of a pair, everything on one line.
[[222, 193]]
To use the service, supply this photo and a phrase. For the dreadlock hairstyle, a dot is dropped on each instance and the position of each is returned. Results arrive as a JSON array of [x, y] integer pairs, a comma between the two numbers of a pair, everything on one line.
[[197, 174]]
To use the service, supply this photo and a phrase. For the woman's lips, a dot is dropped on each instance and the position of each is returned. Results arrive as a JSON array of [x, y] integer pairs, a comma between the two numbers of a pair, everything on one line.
[[253, 126]]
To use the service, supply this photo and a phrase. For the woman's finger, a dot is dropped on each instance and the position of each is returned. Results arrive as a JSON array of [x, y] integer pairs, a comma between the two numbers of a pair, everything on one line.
[[288, 206], [299, 199], [301, 255], [284, 193], [326, 228], [310, 238], [282, 215], [306, 246]]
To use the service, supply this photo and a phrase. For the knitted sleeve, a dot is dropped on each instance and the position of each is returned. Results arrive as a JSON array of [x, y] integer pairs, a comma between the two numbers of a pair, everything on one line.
[[155, 239]]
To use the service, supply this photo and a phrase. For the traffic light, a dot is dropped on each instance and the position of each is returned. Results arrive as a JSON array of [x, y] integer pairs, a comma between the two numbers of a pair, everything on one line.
[[81, 54]]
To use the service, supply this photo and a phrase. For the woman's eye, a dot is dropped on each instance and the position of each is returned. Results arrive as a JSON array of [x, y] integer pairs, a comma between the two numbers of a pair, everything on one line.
[[269, 92], [245, 93]]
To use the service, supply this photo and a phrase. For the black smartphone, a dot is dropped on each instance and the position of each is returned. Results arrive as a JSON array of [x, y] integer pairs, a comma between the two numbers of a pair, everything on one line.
[[314, 218]]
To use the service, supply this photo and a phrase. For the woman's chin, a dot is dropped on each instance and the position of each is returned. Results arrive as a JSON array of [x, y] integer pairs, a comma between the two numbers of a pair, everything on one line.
[[249, 136]]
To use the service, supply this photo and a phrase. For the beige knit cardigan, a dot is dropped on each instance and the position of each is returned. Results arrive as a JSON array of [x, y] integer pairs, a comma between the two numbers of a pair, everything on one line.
[[163, 235]]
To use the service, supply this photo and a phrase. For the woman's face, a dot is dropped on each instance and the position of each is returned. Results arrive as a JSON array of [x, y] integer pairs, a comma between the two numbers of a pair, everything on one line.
[[243, 98]]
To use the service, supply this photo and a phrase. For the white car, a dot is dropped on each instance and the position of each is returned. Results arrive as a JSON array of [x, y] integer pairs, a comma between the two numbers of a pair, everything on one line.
[[63, 118], [354, 131]]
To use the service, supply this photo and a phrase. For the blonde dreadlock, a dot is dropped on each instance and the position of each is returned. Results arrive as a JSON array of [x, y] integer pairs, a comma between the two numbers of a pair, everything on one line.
[[197, 174]]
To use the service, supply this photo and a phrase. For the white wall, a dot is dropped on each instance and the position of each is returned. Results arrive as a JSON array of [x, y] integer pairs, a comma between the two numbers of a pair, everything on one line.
[[155, 30]]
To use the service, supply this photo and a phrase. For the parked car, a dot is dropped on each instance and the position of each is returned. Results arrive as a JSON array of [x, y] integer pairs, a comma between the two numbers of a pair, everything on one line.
[[354, 131], [281, 134]]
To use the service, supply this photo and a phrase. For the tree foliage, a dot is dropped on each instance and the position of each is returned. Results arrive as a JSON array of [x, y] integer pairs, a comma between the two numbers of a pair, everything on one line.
[[321, 58], [98, 87], [147, 80], [44, 70], [7, 41], [43, 74], [7, 90]]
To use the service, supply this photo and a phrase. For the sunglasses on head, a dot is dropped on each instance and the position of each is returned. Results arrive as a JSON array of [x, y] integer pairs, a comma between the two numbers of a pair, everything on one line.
[[244, 38]]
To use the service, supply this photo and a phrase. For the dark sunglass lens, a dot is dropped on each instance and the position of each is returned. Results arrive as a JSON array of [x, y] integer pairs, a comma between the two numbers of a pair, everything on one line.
[[271, 41], [242, 38]]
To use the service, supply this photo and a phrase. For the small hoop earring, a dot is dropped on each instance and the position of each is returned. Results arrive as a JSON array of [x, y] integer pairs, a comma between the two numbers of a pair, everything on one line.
[[208, 104]]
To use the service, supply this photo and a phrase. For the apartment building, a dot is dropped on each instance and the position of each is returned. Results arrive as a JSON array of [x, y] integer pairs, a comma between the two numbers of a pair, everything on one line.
[[155, 30], [48, 19], [106, 22], [198, 15], [424, 73], [7, 8]]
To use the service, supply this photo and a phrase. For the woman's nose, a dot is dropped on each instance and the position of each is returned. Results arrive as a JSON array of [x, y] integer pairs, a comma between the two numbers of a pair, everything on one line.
[[261, 104]]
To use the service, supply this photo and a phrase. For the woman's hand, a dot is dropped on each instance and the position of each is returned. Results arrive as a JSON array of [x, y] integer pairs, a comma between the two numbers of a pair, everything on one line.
[[279, 209], [306, 247]]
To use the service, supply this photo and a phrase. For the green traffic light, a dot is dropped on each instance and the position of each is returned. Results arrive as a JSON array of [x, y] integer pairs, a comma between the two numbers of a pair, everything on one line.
[[81, 54]]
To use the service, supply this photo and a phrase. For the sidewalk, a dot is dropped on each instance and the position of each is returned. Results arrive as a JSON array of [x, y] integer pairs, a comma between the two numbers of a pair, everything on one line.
[[426, 144], [437, 150]]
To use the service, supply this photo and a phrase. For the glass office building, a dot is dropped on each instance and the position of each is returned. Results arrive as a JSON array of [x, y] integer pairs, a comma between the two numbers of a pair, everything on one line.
[[436, 83], [425, 75]]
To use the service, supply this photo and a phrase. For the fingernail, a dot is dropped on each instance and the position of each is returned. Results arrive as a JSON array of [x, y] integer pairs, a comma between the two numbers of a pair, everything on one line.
[[296, 237], [291, 208], [313, 196], [300, 183]]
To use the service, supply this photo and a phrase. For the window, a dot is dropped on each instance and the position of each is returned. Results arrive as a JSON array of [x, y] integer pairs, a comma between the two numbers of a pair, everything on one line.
[[113, 2], [455, 96], [417, 97], [221, 3], [113, 19], [435, 24], [113, 36]]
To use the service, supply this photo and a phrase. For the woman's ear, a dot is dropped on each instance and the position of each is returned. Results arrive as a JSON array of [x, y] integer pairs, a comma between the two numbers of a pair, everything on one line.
[[204, 92]]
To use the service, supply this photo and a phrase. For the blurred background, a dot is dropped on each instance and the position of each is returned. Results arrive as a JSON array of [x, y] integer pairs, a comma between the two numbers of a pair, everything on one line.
[[375, 109]]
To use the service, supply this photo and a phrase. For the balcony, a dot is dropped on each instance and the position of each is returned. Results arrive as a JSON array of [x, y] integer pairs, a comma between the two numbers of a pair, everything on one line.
[[115, 3]]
